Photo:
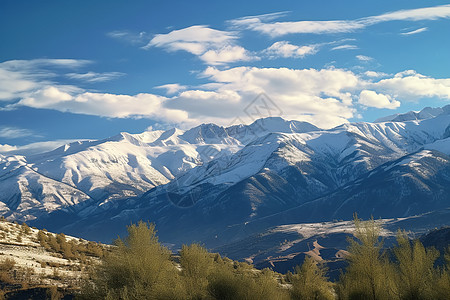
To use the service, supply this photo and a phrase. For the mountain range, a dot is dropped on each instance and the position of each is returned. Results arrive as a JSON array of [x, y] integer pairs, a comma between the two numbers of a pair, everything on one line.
[[220, 185]]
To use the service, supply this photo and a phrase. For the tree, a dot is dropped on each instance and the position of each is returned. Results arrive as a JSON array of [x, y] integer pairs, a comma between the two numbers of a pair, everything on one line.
[[416, 274], [309, 282], [196, 265], [241, 281], [138, 268], [441, 290], [369, 274]]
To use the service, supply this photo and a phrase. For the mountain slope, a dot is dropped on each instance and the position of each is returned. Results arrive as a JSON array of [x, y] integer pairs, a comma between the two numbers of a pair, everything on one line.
[[281, 178], [123, 166], [426, 113], [221, 184]]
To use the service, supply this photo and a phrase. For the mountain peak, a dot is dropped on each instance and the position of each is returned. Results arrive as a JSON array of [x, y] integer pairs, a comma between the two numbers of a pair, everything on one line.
[[426, 113], [278, 124]]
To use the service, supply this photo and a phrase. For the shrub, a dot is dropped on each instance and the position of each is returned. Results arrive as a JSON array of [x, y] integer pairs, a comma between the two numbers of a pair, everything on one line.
[[7, 264], [224, 284], [309, 282], [138, 268], [26, 229], [196, 264], [416, 275], [368, 275]]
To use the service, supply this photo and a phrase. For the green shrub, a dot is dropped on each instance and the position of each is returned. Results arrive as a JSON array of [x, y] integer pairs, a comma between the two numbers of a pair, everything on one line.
[[309, 282], [368, 275], [196, 265], [416, 274], [138, 268]]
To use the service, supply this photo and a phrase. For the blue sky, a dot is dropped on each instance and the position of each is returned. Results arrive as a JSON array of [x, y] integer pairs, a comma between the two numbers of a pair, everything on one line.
[[91, 69]]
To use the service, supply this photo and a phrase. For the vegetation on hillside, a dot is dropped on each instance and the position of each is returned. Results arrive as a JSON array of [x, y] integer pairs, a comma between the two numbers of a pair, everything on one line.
[[141, 268], [34, 263]]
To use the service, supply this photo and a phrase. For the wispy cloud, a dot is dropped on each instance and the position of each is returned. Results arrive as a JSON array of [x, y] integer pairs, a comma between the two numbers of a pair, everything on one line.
[[364, 58], [14, 65], [134, 38], [285, 49], [276, 29], [415, 31], [210, 45], [18, 77], [95, 77], [345, 47], [417, 14], [14, 132]]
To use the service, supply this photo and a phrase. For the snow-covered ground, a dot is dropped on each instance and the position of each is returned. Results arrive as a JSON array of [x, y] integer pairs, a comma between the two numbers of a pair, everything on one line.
[[23, 247]]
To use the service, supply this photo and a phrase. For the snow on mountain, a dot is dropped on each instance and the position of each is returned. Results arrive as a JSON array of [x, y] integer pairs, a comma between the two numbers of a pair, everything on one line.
[[369, 168], [426, 113], [440, 145], [27, 194], [264, 126], [345, 152], [209, 180], [413, 184], [126, 165]]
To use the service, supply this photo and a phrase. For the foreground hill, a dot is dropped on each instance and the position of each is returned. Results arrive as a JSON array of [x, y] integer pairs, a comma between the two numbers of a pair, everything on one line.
[[35, 263]]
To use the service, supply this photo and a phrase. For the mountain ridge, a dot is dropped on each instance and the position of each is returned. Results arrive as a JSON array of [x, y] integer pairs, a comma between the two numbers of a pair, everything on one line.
[[198, 184]]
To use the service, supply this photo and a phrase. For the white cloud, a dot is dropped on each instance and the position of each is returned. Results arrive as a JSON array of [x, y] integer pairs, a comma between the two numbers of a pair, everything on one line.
[[374, 74], [101, 104], [282, 28], [95, 77], [172, 88], [195, 39], [263, 17], [276, 29], [418, 14], [364, 58], [225, 55], [14, 132], [20, 65], [324, 97], [201, 105], [373, 99], [411, 86], [14, 84], [19, 77], [345, 47], [299, 94], [415, 31], [285, 49], [210, 45]]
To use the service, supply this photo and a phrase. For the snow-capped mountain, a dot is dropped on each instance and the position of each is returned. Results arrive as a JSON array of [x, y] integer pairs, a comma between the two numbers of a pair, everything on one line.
[[119, 167], [426, 113], [220, 184]]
